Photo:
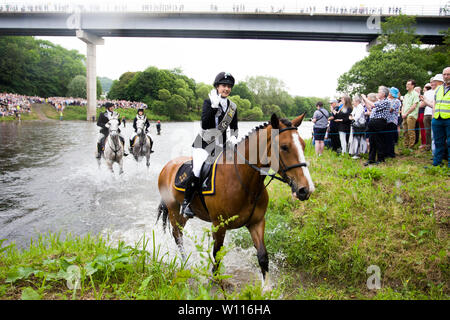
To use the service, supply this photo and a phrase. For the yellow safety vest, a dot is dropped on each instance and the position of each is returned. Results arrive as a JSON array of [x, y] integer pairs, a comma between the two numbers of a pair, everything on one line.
[[442, 106]]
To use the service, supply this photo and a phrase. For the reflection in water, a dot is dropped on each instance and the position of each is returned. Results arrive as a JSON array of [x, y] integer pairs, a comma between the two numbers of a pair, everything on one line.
[[50, 182]]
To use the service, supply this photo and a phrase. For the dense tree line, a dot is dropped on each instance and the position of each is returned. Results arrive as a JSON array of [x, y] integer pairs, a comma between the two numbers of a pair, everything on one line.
[[173, 94], [37, 67], [398, 56]]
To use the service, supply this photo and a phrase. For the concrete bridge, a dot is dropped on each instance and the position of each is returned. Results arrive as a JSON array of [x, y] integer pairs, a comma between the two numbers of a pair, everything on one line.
[[91, 27]]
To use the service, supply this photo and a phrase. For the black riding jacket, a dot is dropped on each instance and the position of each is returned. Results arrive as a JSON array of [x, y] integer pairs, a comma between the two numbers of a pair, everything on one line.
[[103, 120]]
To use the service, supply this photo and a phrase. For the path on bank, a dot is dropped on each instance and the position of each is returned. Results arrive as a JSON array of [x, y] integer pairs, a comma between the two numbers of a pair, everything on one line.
[[39, 113]]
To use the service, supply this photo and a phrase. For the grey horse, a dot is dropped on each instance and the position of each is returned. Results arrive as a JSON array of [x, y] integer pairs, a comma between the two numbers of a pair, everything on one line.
[[114, 149], [142, 144]]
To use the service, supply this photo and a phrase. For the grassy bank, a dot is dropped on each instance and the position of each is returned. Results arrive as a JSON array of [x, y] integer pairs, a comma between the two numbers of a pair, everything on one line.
[[90, 268], [79, 113], [394, 216], [25, 116]]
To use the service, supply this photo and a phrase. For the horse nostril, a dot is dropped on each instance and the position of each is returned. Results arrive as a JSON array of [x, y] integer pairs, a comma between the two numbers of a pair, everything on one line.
[[303, 191]]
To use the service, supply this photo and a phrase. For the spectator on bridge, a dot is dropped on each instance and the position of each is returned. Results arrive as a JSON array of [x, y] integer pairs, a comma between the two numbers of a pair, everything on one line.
[[410, 113]]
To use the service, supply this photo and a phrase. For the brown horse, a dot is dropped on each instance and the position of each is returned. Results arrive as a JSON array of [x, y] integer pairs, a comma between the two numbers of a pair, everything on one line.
[[240, 188]]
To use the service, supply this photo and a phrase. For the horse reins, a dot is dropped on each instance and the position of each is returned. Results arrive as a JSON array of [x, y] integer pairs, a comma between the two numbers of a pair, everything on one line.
[[284, 178]]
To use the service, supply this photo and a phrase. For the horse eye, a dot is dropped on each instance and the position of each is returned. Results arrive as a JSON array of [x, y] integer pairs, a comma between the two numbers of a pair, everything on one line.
[[284, 148]]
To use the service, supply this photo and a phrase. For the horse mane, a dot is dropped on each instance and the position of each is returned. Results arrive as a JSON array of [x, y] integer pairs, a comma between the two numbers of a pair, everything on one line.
[[284, 121]]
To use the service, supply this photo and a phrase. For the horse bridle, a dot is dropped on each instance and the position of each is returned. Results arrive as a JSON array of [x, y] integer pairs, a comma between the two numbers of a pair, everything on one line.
[[284, 178]]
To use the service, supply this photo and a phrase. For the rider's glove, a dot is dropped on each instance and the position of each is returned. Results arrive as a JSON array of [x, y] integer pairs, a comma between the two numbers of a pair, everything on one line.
[[108, 125], [215, 98]]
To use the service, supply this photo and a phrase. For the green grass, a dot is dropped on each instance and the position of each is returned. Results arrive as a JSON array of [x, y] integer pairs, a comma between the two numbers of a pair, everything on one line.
[[91, 268], [394, 216], [24, 116]]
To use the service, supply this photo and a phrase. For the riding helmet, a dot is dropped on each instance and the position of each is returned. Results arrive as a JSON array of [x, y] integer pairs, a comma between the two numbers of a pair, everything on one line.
[[109, 105], [141, 109], [224, 78]]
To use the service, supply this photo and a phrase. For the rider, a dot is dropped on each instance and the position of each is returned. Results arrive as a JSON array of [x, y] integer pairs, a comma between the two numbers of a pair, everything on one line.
[[140, 116], [102, 122], [218, 114]]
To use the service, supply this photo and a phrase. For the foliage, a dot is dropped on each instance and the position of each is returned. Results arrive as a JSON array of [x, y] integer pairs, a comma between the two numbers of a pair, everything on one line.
[[37, 67], [396, 58], [106, 83]]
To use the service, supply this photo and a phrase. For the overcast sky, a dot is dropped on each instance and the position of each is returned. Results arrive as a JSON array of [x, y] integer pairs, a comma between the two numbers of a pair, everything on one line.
[[308, 68]]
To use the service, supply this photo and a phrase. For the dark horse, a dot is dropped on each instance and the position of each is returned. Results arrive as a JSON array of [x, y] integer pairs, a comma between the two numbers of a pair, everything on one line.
[[240, 188]]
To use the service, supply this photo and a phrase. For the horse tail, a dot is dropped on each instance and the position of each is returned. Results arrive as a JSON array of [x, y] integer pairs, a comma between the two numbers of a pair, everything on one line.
[[162, 209]]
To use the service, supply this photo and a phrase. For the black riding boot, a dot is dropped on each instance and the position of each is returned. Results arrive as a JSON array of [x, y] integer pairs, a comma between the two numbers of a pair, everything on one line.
[[191, 188], [99, 150]]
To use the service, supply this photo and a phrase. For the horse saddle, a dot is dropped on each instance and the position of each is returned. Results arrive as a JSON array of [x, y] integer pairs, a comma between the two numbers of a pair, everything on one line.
[[207, 177]]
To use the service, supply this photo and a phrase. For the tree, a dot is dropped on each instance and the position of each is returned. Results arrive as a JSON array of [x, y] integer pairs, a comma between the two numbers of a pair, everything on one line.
[[118, 87], [176, 107], [241, 89], [397, 58], [37, 67], [77, 87]]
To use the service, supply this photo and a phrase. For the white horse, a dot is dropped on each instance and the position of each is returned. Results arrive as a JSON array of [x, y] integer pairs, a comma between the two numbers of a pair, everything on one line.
[[113, 151], [142, 143]]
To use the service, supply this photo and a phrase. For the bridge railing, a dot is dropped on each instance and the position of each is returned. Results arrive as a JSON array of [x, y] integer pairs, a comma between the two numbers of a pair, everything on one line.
[[252, 6]]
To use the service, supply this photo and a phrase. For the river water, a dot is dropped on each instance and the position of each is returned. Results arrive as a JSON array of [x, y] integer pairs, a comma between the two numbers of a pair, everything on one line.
[[51, 182]]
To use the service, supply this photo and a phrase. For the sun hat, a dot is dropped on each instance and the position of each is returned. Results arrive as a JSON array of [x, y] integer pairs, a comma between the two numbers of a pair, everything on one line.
[[394, 92]]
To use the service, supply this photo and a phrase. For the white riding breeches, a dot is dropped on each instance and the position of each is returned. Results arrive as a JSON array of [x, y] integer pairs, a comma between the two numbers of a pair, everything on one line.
[[199, 156]]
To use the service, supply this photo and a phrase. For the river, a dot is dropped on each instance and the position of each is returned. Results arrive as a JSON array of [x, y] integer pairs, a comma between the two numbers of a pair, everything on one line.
[[50, 182]]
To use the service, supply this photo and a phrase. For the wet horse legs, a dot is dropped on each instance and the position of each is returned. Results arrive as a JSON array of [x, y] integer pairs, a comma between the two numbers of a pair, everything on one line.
[[257, 233]]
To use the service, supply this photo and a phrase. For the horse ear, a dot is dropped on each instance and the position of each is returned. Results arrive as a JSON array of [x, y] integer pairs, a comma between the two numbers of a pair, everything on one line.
[[274, 121], [297, 121]]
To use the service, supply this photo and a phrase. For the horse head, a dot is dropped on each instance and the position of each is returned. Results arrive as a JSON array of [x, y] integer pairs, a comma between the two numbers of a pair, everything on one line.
[[140, 124], [113, 126], [292, 164]]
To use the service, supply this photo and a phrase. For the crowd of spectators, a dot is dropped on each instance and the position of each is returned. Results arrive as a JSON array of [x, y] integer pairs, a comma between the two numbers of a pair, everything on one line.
[[14, 104], [372, 124], [332, 8]]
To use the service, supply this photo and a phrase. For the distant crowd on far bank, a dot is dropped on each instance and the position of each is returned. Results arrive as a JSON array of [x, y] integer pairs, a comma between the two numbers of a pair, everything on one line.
[[372, 124], [14, 104]]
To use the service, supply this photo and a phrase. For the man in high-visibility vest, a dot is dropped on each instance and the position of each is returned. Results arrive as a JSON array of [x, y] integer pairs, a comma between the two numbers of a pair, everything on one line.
[[441, 120]]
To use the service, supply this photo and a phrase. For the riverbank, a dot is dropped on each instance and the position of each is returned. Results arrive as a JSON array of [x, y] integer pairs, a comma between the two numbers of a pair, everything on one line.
[[393, 217], [70, 113]]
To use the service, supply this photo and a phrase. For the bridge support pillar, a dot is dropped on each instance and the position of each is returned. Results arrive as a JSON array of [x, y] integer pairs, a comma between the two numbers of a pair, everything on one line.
[[91, 41]]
